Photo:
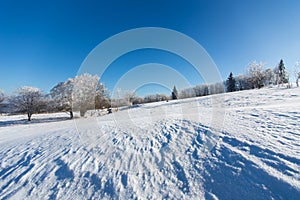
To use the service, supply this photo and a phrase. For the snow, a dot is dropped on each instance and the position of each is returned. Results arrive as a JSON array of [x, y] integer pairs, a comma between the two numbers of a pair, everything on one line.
[[241, 145]]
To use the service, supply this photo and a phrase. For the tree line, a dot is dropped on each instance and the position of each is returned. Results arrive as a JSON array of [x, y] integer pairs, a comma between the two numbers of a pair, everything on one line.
[[257, 76], [85, 92], [80, 94]]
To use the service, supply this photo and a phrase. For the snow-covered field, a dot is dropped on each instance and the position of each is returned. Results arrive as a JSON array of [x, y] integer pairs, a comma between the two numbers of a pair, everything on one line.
[[242, 145]]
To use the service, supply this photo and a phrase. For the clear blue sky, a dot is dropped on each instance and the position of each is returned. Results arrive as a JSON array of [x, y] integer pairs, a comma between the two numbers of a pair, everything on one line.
[[45, 42]]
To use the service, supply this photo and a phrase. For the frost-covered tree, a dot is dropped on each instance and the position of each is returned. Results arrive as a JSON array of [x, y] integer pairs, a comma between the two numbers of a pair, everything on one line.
[[268, 76], [276, 78], [230, 83], [137, 100], [27, 100], [187, 93], [297, 73], [1, 100], [1, 96], [201, 90], [174, 93], [129, 96], [149, 98], [161, 97], [212, 89], [255, 73], [62, 96], [243, 82], [219, 88], [84, 92], [102, 99], [197, 90]]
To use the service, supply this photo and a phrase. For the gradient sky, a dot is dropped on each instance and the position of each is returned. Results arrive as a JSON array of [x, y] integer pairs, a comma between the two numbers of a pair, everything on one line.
[[45, 42]]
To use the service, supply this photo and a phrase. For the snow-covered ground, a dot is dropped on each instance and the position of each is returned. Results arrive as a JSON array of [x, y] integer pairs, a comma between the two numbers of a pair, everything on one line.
[[242, 145]]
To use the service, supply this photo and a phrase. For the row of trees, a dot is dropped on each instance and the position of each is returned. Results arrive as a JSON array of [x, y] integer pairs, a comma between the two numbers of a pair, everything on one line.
[[85, 92], [127, 98], [81, 93], [256, 76]]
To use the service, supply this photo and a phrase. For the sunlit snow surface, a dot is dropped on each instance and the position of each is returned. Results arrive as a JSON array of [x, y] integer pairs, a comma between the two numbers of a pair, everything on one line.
[[165, 150]]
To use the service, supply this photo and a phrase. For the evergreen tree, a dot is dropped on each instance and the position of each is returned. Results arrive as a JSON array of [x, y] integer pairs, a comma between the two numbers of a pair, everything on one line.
[[282, 73], [175, 93], [231, 84]]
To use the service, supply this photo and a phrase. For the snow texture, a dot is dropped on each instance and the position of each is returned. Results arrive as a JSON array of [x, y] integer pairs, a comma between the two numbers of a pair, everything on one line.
[[165, 150]]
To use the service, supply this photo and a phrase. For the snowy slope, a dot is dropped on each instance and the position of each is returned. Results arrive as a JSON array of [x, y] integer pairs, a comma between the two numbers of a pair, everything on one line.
[[242, 145]]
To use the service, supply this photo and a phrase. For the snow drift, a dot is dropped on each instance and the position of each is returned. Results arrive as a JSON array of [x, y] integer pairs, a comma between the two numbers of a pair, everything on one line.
[[165, 150]]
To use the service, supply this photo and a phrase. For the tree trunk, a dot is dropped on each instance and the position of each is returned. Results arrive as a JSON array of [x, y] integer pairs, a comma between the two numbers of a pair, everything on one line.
[[82, 112], [29, 116], [71, 115]]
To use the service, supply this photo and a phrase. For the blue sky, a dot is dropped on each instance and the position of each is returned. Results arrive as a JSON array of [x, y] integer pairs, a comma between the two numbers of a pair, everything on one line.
[[45, 42]]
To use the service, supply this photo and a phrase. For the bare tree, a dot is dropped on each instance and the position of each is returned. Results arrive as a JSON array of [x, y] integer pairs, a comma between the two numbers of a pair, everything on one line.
[[27, 100]]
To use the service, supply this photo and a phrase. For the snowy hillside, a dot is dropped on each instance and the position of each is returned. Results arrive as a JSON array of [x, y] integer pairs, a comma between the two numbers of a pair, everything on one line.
[[242, 145]]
